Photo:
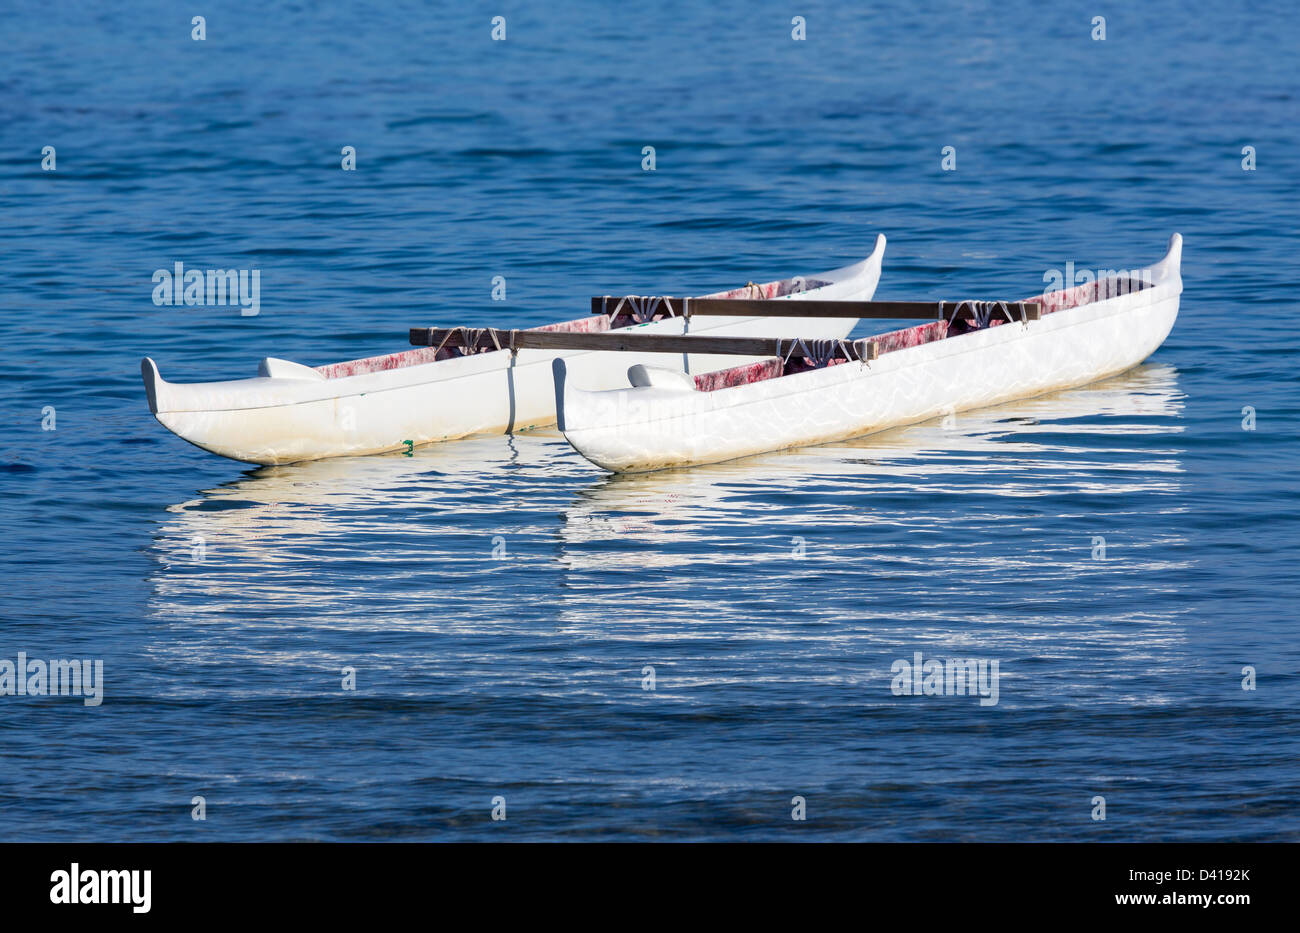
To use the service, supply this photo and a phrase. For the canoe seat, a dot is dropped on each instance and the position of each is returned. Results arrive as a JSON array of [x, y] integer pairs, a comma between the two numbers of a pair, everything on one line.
[[272, 368], [641, 375]]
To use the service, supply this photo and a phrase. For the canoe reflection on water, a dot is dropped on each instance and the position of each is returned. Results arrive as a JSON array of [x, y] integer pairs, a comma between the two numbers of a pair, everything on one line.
[[326, 500], [1112, 437], [497, 567], [1083, 440]]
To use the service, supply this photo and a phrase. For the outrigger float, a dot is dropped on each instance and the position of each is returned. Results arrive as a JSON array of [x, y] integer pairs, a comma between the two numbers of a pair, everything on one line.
[[809, 391], [290, 412]]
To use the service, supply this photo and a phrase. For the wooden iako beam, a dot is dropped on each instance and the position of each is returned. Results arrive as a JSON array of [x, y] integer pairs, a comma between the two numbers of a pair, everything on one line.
[[490, 339], [815, 308]]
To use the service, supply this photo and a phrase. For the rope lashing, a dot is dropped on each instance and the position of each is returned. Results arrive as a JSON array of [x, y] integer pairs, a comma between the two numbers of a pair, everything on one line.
[[864, 348], [642, 308], [472, 335], [469, 338], [818, 353], [826, 350], [981, 311], [445, 338]]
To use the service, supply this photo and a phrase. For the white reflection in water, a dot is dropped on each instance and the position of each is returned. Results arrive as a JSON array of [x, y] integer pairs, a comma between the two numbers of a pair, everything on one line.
[[1067, 442], [930, 528]]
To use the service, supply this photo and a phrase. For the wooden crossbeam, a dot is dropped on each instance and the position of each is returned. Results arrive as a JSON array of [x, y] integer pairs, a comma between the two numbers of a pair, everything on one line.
[[760, 307], [489, 339]]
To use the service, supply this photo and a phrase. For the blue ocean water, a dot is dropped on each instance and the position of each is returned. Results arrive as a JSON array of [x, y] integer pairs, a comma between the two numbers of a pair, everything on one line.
[[500, 599]]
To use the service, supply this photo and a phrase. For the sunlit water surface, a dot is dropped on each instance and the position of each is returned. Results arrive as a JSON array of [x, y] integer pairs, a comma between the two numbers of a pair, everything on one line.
[[1122, 550]]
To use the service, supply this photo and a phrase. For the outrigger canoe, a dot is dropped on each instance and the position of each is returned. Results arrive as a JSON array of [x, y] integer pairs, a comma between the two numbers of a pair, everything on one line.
[[290, 412], [808, 393]]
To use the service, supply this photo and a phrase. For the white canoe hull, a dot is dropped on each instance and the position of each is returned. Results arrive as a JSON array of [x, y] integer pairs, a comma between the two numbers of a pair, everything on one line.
[[297, 413], [649, 428]]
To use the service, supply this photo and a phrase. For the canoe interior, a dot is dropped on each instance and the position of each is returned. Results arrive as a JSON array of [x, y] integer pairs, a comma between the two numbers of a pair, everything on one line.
[[590, 324], [625, 311], [420, 355], [1089, 292]]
